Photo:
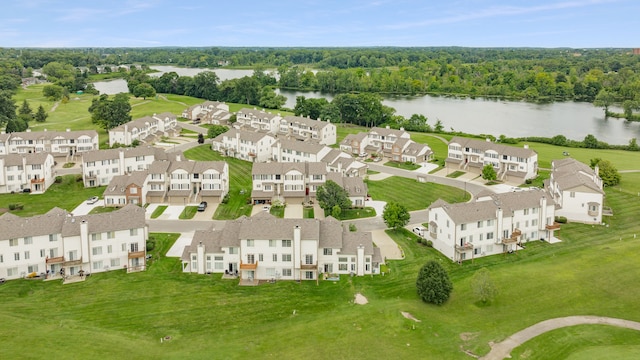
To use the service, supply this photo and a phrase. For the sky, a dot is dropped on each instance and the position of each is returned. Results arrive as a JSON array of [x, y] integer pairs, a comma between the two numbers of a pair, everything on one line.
[[320, 23]]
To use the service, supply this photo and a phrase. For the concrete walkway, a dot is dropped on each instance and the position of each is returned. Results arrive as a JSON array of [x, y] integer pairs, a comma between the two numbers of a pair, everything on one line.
[[502, 350], [388, 248], [178, 247]]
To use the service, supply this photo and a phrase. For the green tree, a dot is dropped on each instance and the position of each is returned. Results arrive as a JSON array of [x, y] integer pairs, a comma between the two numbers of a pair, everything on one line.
[[483, 287], [433, 283], [7, 108], [16, 125], [627, 107], [110, 113], [269, 99], [144, 91], [41, 114], [489, 173], [590, 142], [438, 127], [53, 92], [331, 194], [200, 139], [604, 99], [336, 211], [607, 172], [395, 215], [216, 130]]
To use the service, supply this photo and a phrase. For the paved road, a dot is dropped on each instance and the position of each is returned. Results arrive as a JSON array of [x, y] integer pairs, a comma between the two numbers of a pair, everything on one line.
[[502, 350]]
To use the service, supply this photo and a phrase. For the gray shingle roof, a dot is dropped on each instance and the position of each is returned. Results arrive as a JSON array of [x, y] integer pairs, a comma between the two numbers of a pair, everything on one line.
[[317, 124], [570, 173], [487, 145]]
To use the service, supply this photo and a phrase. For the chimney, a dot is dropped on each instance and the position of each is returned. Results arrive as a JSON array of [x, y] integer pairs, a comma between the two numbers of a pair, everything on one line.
[[387, 127], [401, 128], [84, 239], [297, 257], [360, 260], [28, 130], [68, 130], [200, 257]]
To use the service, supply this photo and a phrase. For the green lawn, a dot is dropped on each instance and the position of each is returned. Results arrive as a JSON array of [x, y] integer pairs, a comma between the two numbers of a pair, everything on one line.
[[103, 209], [589, 272], [412, 194], [456, 174], [188, 212], [277, 211], [308, 212], [240, 183], [158, 211], [67, 195], [401, 165], [623, 160], [350, 214]]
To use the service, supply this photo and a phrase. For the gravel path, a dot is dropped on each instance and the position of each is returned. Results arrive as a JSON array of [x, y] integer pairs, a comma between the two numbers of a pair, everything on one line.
[[502, 350]]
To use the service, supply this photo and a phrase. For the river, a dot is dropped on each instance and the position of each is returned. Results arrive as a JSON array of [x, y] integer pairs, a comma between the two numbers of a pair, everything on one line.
[[574, 120]]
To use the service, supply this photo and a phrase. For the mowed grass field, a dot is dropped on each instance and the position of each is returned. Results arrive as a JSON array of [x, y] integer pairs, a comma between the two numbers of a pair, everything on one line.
[[240, 182], [413, 194], [115, 315]]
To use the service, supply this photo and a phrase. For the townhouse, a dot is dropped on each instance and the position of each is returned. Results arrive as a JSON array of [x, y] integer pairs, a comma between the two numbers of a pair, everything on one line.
[[100, 166], [28, 172], [244, 145], [290, 150], [510, 163], [491, 224], [127, 189], [257, 120], [209, 112], [300, 128], [146, 129], [59, 244], [395, 145], [266, 248], [338, 161], [577, 189], [298, 183], [57, 143]]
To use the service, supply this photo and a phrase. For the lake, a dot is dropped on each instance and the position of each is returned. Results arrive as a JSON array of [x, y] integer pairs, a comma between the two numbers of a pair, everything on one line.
[[574, 120]]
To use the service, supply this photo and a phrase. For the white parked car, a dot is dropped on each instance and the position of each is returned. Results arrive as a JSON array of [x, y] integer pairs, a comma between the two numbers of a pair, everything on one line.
[[419, 230], [92, 200]]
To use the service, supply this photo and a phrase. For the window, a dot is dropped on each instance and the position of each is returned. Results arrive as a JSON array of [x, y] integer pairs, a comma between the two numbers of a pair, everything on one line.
[[274, 257], [109, 249], [526, 211], [481, 237], [308, 275], [271, 272], [286, 272], [16, 256], [13, 242], [489, 235], [505, 234], [26, 255], [490, 223], [286, 243], [286, 257], [96, 236], [233, 250], [28, 240], [479, 224], [133, 232], [97, 250], [447, 223], [343, 259], [328, 251], [73, 255], [12, 271], [272, 243], [463, 227], [218, 258], [134, 247], [124, 247], [342, 267], [115, 262], [1, 258], [97, 265], [32, 268], [249, 243], [260, 257], [43, 253], [534, 222], [111, 234], [308, 259]]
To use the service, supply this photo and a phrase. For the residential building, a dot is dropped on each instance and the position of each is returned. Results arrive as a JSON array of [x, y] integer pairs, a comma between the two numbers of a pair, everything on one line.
[[209, 112], [60, 244], [32, 172], [289, 150], [100, 166], [266, 248], [338, 161], [396, 145], [257, 120], [146, 129], [577, 189], [298, 182], [510, 163], [196, 181], [127, 189], [57, 143], [492, 224], [245, 145], [300, 128]]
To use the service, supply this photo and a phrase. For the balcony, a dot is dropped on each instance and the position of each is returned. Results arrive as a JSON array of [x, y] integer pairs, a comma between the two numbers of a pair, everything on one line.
[[247, 266], [37, 181], [308, 266], [55, 260], [554, 226], [513, 238], [72, 262], [465, 247], [135, 254]]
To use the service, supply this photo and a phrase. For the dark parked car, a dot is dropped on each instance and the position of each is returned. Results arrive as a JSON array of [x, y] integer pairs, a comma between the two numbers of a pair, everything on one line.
[[202, 206]]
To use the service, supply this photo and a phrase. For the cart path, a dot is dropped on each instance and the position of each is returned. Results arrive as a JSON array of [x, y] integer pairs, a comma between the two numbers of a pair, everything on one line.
[[502, 350]]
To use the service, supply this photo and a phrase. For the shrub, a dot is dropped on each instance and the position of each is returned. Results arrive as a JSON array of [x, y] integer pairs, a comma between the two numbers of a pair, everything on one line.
[[429, 243], [352, 227], [419, 240], [151, 244], [433, 283], [225, 199], [561, 219], [58, 179]]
